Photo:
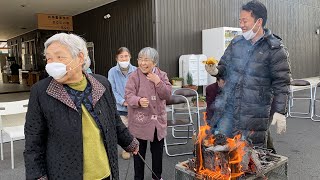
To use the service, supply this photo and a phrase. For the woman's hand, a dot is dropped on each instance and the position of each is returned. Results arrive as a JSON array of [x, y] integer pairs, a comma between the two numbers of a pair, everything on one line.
[[144, 102], [154, 78], [135, 152]]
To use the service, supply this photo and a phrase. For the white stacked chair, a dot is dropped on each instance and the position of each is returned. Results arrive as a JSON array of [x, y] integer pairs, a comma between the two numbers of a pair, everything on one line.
[[301, 85], [15, 132], [316, 103], [179, 120], [189, 93]]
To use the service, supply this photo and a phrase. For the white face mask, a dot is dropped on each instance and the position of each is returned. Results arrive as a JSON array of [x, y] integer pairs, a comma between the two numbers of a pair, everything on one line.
[[58, 70], [250, 34], [124, 64]]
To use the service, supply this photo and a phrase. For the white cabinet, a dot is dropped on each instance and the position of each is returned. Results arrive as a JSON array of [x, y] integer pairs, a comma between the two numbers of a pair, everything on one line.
[[215, 41], [193, 64]]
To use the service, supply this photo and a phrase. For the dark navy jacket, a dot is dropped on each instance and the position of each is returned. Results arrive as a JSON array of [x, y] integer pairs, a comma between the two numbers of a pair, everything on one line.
[[53, 130], [257, 79]]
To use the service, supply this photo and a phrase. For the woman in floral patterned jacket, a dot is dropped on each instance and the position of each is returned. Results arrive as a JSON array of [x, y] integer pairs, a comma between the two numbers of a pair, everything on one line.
[[147, 91]]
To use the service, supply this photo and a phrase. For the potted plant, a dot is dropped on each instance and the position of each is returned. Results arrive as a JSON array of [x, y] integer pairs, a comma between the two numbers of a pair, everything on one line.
[[177, 81], [201, 99], [190, 82]]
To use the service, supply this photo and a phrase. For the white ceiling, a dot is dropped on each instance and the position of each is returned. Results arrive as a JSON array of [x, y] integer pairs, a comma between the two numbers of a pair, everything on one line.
[[14, 17]]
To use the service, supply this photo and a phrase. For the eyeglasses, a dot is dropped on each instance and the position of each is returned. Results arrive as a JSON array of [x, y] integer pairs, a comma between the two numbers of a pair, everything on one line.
[[144, 60]]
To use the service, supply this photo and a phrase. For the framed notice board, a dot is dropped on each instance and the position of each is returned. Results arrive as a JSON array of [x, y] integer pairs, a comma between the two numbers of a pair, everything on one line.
[[55, 22]]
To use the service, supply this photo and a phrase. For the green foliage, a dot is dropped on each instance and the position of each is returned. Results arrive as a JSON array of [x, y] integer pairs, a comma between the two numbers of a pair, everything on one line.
[[189, 79], [201, 98], [177, 78]]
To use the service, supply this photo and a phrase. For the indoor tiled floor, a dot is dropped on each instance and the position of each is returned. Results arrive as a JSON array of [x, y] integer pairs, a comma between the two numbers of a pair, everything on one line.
[[11, 87]]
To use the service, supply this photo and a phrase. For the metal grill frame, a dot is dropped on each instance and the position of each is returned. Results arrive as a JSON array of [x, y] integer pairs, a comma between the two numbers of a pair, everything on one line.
[[279, 171]]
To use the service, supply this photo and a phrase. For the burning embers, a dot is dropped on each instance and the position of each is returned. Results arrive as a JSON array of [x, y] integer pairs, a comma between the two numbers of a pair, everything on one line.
[[218, 157], [221, 158]]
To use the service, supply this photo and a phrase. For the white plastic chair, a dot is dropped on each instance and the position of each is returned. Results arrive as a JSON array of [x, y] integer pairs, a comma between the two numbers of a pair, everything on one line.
[[15, 132]]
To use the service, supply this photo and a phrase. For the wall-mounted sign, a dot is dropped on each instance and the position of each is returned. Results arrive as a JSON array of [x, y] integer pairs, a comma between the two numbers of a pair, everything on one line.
[[55, 22]]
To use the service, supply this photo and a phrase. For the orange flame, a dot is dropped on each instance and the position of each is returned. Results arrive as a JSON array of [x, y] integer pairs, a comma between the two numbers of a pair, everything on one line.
[[201, 137], [236, 152]]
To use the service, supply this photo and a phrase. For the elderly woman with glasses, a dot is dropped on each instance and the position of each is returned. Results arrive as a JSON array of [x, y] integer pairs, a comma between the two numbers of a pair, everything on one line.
[[147, 91]]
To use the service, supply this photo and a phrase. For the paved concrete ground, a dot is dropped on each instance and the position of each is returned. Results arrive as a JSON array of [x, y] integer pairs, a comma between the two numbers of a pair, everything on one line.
[[301, 144]]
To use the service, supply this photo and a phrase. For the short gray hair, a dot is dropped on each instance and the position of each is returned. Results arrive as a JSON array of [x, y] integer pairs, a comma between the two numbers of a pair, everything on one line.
[[151, 53], [74, 43]]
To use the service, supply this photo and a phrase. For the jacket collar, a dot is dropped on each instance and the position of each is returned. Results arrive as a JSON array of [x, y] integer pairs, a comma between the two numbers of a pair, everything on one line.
[[237, 38], [274, 41], [97, 89], [57, 91], [131, 68]]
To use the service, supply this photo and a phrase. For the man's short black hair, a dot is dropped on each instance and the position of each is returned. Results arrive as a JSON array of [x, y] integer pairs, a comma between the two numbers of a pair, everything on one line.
[[257, 9], [219, 77]]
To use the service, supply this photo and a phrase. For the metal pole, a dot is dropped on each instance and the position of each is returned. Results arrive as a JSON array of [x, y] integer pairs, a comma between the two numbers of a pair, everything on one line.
[[144, 161]]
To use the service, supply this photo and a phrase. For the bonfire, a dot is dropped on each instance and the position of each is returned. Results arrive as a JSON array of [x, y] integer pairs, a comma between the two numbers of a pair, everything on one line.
[[220, 158]]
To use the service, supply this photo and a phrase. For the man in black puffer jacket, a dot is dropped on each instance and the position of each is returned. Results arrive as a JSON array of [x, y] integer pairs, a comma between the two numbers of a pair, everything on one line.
[[257, 76]]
